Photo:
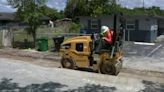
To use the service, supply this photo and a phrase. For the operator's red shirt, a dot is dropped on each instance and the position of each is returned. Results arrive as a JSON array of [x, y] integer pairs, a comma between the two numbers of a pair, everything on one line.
[[109, 37]]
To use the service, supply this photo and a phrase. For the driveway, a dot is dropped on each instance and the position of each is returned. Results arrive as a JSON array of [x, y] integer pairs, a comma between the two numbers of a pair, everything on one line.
[[144, 49]]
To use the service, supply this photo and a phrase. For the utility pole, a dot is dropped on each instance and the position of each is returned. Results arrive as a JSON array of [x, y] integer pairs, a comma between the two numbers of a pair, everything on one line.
[[143, 5], [143, 2], [115, 16]]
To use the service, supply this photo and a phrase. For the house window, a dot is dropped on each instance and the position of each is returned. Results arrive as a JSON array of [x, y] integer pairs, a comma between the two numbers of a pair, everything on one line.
[[79, 47], [130, 25], [94, 24]]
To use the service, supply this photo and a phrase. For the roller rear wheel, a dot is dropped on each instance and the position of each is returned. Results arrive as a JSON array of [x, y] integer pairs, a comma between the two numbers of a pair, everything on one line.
[[110, 68]]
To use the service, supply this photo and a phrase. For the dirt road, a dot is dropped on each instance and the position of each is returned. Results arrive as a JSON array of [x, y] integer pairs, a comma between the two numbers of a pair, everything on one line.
[[141, 73], [20, 76], [127, 69]]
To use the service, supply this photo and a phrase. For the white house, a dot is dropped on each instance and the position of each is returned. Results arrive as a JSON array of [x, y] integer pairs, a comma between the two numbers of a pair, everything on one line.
[[138, 28]]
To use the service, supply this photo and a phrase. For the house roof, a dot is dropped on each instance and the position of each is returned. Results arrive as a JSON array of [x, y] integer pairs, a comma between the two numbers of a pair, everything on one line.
[[12, 16], [64, 19], [157, 17], [7, 16]]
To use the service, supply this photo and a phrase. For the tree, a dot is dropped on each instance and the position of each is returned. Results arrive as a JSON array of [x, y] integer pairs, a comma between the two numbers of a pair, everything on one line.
[[61, 14], [52, 13], [87, 7], [154, 10], [151, 11], [29, 11], [105, 7]]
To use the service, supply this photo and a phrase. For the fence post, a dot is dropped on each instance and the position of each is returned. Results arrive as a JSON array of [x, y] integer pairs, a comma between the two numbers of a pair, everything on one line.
[[7, 38], [128, 35]]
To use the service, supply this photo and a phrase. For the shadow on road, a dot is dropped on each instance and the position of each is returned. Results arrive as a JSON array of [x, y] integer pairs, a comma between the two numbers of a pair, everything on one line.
[[152, 87], [94, 88], [87, 70], [6, 85]]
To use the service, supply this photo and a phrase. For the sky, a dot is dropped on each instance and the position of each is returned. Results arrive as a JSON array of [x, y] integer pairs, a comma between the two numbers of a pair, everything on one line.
[[60, 4]]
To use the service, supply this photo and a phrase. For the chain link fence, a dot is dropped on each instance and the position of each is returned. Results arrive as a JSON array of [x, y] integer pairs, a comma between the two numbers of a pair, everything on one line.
[[24, 41]]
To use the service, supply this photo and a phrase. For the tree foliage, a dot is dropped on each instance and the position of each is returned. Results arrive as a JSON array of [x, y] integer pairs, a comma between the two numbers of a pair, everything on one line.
[[151, 11], [87, 7], [29, 11], [52, 13], [105, 7], [74, 28]]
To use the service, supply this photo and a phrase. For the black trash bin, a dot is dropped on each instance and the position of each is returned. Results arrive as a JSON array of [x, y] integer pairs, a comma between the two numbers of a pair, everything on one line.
[[57, 42]]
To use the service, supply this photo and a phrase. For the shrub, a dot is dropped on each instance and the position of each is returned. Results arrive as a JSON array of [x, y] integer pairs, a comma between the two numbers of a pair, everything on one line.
[[74, 28]]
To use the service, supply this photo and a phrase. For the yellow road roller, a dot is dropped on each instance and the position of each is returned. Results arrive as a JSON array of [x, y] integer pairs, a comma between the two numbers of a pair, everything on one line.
[[78, 52]]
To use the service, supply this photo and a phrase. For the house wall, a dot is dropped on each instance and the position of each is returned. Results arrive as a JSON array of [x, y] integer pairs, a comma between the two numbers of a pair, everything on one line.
[[144, 23], [142, 30], [84, 22], [104, 21], [107, 21]]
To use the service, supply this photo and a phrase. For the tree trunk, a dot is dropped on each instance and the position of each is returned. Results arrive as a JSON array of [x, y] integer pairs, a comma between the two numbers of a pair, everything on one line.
[[34, 37], [33, 28]]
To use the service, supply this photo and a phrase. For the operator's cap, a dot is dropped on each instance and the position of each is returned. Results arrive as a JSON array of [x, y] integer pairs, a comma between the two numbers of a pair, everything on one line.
[[104, 29]]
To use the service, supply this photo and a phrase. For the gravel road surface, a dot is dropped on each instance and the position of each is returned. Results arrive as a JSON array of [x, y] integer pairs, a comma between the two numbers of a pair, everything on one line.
[[20, 76], [28, 71]]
